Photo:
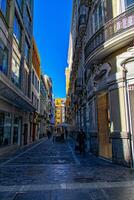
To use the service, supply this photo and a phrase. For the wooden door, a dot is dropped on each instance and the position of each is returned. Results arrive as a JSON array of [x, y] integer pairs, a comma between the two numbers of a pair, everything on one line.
[[105, 146]]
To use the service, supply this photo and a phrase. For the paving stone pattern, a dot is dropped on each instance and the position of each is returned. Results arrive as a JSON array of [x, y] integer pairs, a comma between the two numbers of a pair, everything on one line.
[[53, 171]]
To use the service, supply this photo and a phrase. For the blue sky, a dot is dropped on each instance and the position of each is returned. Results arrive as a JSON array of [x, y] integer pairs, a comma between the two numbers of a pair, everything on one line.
[[51, 31]]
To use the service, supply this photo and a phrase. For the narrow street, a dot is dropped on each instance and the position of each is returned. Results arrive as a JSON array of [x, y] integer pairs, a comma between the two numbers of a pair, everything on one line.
[[53, 171]]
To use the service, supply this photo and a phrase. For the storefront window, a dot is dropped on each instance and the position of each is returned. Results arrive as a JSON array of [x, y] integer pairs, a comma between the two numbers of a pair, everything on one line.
[[15, 130], [5, 129]]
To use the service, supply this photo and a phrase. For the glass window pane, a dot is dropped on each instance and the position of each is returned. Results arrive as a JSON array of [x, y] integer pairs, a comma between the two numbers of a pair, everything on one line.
[[3, 58], [28, 22], [130, 2], [17, 30], [3, 6], [15, 130], [100, 15], [5, 129], [15, 72], [20, 3], [26, 51]]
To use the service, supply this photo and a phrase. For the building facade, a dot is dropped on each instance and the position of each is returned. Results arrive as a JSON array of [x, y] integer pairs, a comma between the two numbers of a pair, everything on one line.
[[46, 105], [43, 107], [102, 76], [60, 105], [16, 108], [35, 126]]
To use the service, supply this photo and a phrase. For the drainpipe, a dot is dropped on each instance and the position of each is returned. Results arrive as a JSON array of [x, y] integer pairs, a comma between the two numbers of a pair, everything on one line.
[[129, 116]]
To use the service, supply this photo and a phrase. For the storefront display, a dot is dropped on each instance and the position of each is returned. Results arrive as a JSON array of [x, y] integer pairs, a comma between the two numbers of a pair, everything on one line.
[[5, 129]]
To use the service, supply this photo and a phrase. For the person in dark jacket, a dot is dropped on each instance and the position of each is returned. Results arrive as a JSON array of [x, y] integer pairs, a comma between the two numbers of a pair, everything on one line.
[[81, 140], [49, 134]]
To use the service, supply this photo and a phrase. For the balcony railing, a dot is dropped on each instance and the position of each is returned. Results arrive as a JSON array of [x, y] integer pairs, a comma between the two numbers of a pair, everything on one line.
[[111, 29]]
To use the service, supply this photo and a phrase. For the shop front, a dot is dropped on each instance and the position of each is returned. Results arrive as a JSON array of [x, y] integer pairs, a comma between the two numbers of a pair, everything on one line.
[[5, 129], [10, 129]]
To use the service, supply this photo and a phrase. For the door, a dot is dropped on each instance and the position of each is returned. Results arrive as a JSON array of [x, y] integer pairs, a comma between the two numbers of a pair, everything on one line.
[[34, 132], [105, 146], [25, 133]]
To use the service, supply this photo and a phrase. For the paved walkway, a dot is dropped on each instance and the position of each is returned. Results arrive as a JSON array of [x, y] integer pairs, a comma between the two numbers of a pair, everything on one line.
[[52, 171]]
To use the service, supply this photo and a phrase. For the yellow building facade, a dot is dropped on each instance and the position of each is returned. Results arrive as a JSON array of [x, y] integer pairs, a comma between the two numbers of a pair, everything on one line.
[[59, 111]]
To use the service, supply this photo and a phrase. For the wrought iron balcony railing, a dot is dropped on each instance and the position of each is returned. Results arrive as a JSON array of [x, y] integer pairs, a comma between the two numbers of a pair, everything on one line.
[[111, 29]]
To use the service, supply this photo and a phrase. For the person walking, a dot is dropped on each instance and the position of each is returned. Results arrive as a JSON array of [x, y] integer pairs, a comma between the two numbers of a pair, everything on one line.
[[66, 133], [81, 140], [48, 134]]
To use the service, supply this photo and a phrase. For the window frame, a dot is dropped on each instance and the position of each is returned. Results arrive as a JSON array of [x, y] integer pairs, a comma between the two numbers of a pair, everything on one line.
[[126, 4], [7, 57], [15, 32], [17, 83], [27, 47], [4, 12]]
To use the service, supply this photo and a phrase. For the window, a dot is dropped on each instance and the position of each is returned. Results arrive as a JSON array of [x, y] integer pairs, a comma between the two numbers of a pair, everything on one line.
[[100, 10], [5, 129], [38, 86], [129, 2], [33, 77], [26, 83], [95, 15], [27, 51], [28, 22], [15, 76], [98, 18], [17, 30], [3, 6], [3, 58], [32, 98], [19, 3], [30, 4], [15, 130]]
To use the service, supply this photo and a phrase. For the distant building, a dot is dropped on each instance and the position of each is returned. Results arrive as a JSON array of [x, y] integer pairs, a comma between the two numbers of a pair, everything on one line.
[[46, 104], [60, 104], [67, 73], [43, 107]]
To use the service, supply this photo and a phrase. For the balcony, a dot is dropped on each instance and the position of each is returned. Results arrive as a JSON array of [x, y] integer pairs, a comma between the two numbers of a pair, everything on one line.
[[115, 34]]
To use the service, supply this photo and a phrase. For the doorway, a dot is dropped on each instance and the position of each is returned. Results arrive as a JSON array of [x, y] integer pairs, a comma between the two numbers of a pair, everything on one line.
[[105, 145], [25, 133]]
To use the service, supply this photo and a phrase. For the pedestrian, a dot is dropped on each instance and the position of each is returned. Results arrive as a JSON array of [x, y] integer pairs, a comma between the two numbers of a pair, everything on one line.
[[66, 133], [81, 141], [48, 134]]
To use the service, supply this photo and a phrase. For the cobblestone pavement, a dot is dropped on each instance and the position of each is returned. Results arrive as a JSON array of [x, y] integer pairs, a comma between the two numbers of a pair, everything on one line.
[[52, 171]]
